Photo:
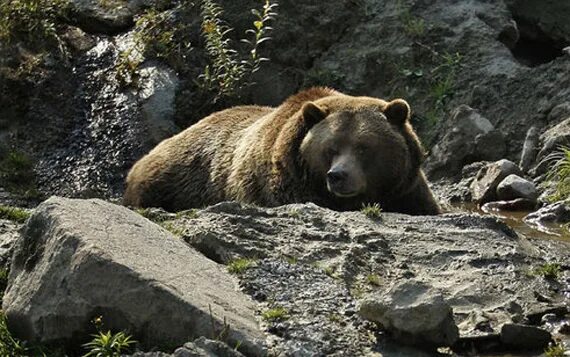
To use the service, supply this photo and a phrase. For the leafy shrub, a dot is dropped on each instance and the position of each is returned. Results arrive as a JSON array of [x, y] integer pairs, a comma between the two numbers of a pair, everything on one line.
[[107, 344], [9, 345]]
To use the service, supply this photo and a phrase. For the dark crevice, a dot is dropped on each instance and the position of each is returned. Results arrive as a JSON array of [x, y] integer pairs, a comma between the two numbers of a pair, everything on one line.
[[535, 47]]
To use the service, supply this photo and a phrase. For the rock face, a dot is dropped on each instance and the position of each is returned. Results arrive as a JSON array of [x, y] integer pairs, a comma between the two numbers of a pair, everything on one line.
[[525, 337], [484, 187], [558, 212], [317, 264], [78, 259], [414, 313], [470, 138], [514, 186]]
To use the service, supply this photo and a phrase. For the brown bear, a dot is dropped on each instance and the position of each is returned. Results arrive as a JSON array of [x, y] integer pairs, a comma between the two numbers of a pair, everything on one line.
[[319, 146]]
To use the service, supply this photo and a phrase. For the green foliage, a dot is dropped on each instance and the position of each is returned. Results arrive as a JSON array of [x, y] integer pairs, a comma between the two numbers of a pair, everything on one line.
[[554, 350], [14, 214], [9, 345], [227, 73], [107, 344], [559, 173], [173, 228], [443, 78], [239, 266], [548, 270], [373, 279], [277, 313], [33, 21], [190, 213], [413, 26], [371, 210], [17, 174]]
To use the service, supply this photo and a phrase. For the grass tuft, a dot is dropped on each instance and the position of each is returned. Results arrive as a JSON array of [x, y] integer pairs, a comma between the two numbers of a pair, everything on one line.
[[278, 313], [559, 173], [239, 266], [371, 210], [373, 279], [554, 350], [14, 214], [9, 345], [548, 271]]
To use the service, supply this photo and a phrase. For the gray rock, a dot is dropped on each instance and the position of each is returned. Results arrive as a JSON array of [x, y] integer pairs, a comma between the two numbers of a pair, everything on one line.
[[514, 186], [558, 212], [108, 16], [201, 347], [414, 313], [317, 264], [8, 235], [469, 138], [157, 92], [518, 204], [523, 337], [484, 187], [77, 259], [530, 147], [510, 35], [551, 141]]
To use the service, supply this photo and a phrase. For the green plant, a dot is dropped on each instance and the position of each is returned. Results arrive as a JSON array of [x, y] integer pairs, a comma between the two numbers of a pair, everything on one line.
[[413, 26], [371, 210], [373, 279], [227, 74], [107, 344], [277, 313], [190, 213], [17, 174], [239, 266], [14, 214], [554, 350], [34, 21], [559, 173], [172, 228], [9, 345], [335, 318], [548, 270]]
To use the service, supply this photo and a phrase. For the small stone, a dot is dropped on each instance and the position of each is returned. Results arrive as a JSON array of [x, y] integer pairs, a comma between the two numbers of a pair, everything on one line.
[[483, 188], [414, 313], [523, 337], [514, 186]]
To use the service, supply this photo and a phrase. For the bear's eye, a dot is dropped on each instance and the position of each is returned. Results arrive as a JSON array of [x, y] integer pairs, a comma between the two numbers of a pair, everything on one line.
[[331, 152]]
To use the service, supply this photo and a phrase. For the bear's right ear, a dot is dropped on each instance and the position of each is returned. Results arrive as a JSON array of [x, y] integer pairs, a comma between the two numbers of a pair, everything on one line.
[[398, 112], [312, 113]]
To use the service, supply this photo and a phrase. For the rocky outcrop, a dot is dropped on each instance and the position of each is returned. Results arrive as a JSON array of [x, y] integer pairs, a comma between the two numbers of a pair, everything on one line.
[[469, 138], [79, 259]]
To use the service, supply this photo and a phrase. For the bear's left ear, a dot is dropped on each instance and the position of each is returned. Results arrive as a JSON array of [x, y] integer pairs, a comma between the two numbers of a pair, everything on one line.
[[312, 113], [397, 112]]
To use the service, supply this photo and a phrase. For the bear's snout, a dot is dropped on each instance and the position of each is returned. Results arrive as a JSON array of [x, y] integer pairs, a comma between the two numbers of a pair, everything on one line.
[[341, 183]]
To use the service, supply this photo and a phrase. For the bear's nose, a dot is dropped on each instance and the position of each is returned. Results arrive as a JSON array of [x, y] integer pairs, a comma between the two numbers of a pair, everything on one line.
[[336, 176]]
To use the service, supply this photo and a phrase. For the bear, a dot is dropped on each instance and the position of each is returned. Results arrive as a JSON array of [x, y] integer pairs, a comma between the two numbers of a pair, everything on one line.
[[320, 145]]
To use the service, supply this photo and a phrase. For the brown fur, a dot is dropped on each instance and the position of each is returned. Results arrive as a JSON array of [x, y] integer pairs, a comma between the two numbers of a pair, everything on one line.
[[253, 154]]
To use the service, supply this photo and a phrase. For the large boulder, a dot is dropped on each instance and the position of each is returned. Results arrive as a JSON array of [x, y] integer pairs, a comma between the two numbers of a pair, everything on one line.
[[414, 313], [78, 259], [469, 138]]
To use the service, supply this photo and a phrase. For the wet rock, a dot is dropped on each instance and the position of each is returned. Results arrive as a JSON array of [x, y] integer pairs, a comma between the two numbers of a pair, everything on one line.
[[529, 150], [558, 212], [414, 313], [77, 259], [514, 186], [523, 337], [157, 93], [519, 204], [469, 138], [484, 187]]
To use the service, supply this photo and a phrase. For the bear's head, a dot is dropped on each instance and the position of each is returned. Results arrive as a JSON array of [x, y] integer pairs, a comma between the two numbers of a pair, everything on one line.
[[360, 149]]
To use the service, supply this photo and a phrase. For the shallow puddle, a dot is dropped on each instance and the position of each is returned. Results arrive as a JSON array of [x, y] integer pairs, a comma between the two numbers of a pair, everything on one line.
[[515, 220]]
